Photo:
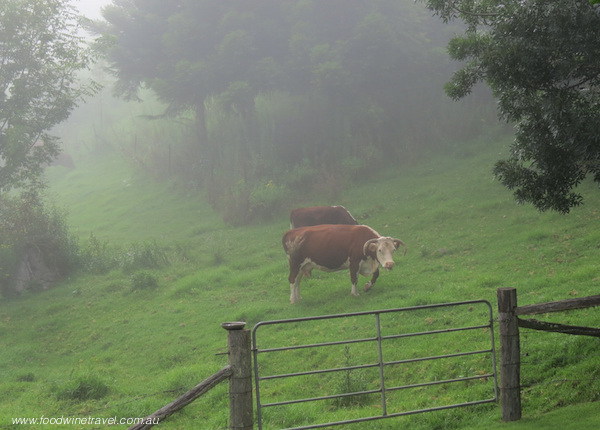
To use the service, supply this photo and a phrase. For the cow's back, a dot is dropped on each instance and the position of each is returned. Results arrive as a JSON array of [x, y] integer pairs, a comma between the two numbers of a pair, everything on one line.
[[317, 215]]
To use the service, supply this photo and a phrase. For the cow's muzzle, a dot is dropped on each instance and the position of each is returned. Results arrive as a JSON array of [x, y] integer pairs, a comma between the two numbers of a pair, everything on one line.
[[388, 266]]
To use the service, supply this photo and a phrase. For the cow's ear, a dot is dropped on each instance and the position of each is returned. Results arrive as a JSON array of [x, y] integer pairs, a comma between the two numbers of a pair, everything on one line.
[[372, 247]]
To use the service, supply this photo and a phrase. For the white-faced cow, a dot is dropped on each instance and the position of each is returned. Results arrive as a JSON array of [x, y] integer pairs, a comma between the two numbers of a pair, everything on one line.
[[316, 215], [331, 248]]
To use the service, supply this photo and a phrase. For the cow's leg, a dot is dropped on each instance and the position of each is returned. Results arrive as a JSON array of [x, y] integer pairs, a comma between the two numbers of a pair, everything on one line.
[[295, 278], [295, 289], [354, 277], [370, 284]]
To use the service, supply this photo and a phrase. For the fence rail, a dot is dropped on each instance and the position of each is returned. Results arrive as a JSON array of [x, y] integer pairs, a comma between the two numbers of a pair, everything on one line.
[[185, 399], [239, 374], [561, 305]]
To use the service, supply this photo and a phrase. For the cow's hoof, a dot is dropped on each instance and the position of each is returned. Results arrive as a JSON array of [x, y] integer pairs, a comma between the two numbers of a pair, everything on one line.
[[368, 286]]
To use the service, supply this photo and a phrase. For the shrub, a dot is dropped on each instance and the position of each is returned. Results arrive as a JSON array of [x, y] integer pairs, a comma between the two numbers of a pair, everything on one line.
[[26, 377], [28, 221], [267, 199], [353, 167], [301, 178], [235, 207], [143, 279], [144, 255], [9, 259], [97, 257]]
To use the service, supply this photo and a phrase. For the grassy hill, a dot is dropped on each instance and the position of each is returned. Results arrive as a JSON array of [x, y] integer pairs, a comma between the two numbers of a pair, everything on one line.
[[105, 345]]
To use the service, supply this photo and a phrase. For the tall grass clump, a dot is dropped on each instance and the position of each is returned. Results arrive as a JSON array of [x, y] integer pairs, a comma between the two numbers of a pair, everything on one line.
[[97, 256], [143, 255], [143, 279], [89, 387], [100, 257]]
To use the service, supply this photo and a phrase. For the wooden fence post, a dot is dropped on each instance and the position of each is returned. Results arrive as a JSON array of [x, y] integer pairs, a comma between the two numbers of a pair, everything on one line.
[[510, 355], [241, 414]]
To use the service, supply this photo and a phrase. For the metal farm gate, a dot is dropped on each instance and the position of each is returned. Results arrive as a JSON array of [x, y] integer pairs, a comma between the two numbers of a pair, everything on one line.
[[310, 362]]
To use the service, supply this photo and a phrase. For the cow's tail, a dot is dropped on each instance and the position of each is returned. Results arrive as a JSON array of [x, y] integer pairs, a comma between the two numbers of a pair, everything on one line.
[[292, 245]]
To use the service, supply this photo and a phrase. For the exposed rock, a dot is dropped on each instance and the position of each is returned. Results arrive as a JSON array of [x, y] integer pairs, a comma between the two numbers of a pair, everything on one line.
[[33, 272]]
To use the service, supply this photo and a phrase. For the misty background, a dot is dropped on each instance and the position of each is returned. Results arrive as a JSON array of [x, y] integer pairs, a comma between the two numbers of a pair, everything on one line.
[[90, 8], [353, 95]]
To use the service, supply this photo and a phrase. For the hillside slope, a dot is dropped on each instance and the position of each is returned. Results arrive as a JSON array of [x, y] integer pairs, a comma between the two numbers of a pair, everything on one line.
[[105, 196], [465, 235]]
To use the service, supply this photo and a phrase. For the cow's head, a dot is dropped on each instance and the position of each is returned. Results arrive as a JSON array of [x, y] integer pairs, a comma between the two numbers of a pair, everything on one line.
[[383, 248]]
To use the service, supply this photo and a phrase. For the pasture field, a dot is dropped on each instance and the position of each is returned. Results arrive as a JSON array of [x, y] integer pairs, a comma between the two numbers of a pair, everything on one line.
[[112, 345]]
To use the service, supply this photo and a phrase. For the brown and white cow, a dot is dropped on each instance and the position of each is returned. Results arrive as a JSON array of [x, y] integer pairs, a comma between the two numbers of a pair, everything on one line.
[[316, 215], [331, 248]]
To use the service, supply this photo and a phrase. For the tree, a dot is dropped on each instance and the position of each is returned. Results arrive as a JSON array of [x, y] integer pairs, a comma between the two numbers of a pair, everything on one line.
[[542, 61], [40, 53], [188, 50], [356, 54]]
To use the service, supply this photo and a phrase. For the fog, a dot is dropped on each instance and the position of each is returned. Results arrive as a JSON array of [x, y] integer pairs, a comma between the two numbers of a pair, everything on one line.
[[349, 95], [90, 8]]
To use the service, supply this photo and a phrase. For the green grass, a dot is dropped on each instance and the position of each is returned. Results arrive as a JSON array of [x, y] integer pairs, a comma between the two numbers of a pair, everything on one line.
[[107, 198], [110, 345]]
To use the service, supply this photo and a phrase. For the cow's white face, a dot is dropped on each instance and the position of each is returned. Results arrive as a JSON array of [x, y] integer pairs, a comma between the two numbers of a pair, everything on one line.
[[384, 249]]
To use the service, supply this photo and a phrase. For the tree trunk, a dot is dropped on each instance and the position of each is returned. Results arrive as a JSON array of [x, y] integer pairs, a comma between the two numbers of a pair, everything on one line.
[[204, 153]]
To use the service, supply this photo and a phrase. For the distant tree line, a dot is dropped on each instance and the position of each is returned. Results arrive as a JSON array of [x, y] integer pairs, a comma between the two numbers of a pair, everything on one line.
[[284, 91]]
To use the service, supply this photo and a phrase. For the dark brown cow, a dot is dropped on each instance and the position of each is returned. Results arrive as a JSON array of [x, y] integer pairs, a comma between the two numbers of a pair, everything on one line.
[[317, 215], [337, 247]]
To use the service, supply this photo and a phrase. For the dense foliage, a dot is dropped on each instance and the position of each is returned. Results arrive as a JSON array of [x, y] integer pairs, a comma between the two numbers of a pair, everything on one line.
[[40, 54], [542, 60], [186, 51]]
